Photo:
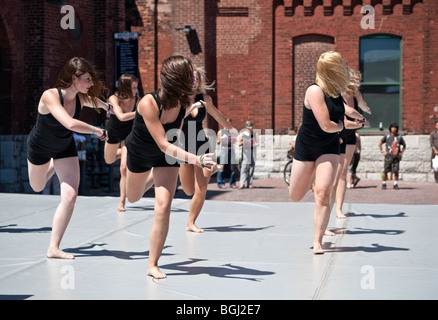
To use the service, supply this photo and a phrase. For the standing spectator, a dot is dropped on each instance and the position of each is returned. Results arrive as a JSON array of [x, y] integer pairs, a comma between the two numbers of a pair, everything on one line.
[[434, 145], [393, 153], [227, 157], [353, 179], [249, 142]]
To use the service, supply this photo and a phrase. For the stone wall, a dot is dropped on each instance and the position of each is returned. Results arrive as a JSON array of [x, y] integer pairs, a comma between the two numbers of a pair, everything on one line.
[[13, 164], [415, 165], [271, 159]]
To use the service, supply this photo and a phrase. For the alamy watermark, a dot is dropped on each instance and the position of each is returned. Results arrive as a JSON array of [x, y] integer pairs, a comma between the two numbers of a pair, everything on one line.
[[368, 21], [68, 20], [367, 282], [68, 280], [205, 141]]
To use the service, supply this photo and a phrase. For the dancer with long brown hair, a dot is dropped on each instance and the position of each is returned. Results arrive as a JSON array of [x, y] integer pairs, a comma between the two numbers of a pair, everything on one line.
[[51, 147], [194, 180], [153, 155], [124, 103]]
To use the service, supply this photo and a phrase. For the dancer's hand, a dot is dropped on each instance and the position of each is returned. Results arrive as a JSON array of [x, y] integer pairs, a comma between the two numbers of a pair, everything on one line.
[[206, 161], [104, 136]]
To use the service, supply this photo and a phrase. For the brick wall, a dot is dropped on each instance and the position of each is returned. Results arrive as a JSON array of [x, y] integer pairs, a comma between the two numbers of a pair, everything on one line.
[[36, 47]]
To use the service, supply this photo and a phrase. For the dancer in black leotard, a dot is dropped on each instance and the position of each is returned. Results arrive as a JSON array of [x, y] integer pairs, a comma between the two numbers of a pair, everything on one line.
[[124, 103], [51, 146], [317, 145], [351, 96], [194, 180], [152, 144]]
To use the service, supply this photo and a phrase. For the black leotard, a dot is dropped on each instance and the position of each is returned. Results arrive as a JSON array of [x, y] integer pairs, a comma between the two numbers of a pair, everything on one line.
[[143, 151], [312, 141], [194, 139], [50, 139], [119, 130], [349, 135]]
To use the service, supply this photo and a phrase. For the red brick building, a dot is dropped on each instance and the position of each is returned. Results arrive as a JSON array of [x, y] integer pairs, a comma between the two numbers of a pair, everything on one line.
[[260, 53]]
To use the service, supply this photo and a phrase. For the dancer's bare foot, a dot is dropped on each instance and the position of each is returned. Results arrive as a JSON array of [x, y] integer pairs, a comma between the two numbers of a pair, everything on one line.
[[317, 248], [121, 207], [193, 228], [156, 273], [329, 233], [340, 215], [56, 253]]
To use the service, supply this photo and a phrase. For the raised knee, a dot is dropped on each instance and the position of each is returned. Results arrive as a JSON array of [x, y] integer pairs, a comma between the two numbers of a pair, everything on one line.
[[37, 187], [109, 159]]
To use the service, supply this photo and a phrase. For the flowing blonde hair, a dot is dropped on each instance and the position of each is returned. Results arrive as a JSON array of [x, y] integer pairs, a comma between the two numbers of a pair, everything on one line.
[[332, 73], [355, 78]]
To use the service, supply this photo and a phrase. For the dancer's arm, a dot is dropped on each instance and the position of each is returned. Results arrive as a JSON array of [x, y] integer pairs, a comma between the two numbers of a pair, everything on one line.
[[86, 102], [118, 111], [148, 109], [353, 113], [362, 103], [50, 99], [314, 100], [218, 116]]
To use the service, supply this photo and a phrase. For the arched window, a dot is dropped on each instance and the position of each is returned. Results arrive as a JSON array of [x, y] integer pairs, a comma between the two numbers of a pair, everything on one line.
[[380, 65]]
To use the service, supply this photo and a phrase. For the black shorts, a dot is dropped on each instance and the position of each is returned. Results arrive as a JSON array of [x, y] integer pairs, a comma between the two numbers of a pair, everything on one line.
[[305, 152], [38, 156], [342, 147], [138, 165]]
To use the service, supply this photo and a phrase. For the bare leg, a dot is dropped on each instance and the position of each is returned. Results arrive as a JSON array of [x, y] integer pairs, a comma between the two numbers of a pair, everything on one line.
[[40, 174], [301, 179], [342, 182], [112, 152], [137, 184], [165, 183], [325, 171], [202, 177], [68, 173], [122, 183]]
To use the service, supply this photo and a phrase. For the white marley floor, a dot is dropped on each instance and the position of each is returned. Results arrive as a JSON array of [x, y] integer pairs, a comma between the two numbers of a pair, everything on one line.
[[249, 251]]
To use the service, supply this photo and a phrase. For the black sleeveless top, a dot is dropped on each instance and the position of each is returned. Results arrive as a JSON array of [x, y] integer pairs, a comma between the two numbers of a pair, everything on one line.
[[140, 143], [311, 133], [119, 130], [349, 135], [49, 135], [193, 137]]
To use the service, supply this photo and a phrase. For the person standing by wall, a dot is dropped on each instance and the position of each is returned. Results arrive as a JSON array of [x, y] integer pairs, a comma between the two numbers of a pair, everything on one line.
[[395, 146], [227, 156], [249, 141], [434, 146]]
